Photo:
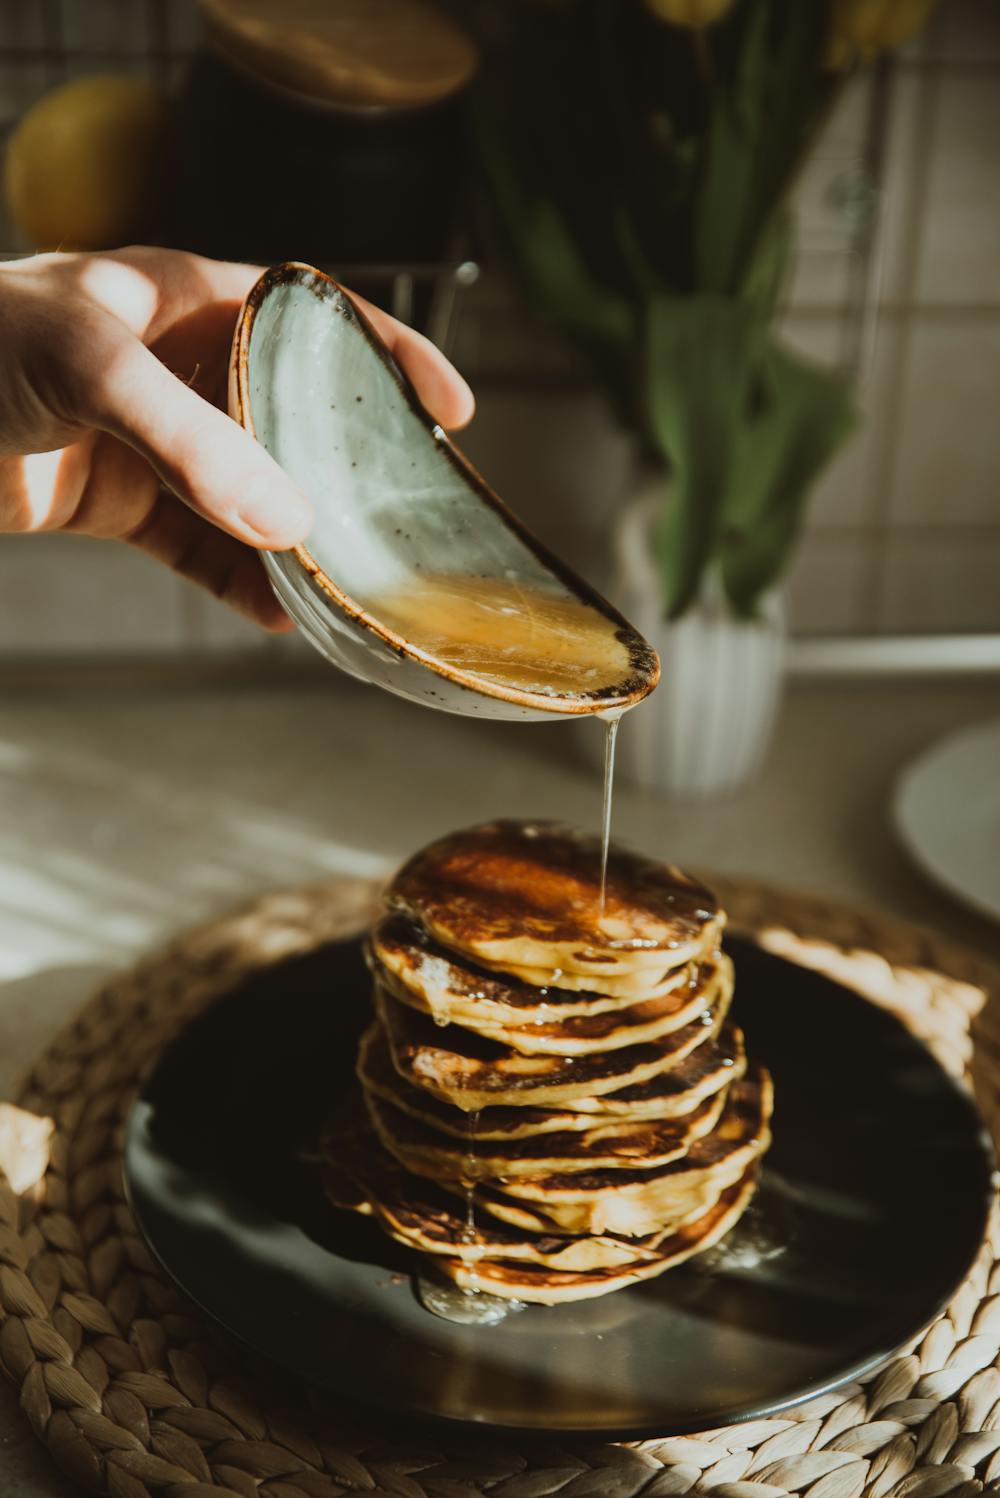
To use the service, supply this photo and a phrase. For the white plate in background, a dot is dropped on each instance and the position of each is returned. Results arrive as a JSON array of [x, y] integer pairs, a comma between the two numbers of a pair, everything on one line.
[[947, 812]]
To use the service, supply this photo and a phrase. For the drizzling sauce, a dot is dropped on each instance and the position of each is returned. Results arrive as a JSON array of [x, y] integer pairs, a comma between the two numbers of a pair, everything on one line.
[[509, 634], [611, 722], [471, 1124], [469, 1305]]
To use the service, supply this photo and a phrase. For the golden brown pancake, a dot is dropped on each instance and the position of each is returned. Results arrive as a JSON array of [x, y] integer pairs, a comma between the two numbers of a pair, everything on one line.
[[542, 1285], [643, 983], [528, 893], [673, 1094], [456, 991], [472, 1072], [442, 1157], [710, 986], [359, 1176], [678, 1089], [581, 1034], [638, 1202]]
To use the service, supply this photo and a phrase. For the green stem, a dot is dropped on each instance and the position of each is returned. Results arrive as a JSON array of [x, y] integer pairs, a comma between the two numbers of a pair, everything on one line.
[[785, 187], [703, 57]]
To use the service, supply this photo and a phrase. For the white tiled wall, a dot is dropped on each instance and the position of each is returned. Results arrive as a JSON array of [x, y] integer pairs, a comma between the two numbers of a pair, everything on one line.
[[937, 579], [947, 441], [903, 531], [72, 595]]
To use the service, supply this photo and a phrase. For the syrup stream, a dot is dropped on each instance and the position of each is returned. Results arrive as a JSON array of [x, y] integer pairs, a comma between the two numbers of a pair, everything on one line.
[[471, 1122], [470, 1306], [611, 723]]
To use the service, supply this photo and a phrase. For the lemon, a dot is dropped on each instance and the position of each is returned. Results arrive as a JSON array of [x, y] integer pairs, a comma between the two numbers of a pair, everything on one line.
[[83, 167]]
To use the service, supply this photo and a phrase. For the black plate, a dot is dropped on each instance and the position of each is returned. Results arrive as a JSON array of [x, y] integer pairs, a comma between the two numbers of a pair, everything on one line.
[[221, 1172]]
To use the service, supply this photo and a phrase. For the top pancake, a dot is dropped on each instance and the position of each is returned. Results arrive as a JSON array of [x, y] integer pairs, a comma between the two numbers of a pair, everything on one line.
[[528, 893]]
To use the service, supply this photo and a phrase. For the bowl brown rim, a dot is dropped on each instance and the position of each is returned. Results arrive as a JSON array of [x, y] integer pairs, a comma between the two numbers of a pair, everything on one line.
[[643, 660]]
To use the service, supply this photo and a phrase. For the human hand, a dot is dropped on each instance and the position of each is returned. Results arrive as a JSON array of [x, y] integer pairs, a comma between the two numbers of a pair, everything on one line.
[[113, 371]]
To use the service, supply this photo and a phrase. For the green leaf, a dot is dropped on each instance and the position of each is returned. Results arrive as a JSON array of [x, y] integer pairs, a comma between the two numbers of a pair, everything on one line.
[[761, 127], [768, 270], [553, 270], [800, 416], [557, 283], [698, 357], [724, 205]]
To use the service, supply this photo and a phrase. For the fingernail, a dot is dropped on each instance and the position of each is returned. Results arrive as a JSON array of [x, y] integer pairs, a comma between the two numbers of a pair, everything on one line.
[[280, 517]]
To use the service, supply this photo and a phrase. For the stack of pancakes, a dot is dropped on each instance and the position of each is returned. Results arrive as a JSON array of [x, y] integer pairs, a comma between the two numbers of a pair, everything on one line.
[[556, 1104]]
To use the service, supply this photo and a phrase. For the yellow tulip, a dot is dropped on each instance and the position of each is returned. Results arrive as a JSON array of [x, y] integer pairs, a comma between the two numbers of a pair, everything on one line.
[[695, 14], [864, 28]]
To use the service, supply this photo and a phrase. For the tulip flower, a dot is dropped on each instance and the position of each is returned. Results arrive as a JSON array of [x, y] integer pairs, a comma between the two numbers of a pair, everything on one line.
[[695, 14], [864, 28]]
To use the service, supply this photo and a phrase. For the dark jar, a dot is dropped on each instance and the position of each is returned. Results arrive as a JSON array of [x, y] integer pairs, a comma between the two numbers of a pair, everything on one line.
[[262, 170]]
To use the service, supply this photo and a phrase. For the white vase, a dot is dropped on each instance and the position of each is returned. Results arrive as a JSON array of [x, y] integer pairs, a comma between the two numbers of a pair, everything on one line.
[[707, 726]]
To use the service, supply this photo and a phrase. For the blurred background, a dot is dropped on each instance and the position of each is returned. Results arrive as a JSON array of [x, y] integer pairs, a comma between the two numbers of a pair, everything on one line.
[[725, 277], [895, 283]]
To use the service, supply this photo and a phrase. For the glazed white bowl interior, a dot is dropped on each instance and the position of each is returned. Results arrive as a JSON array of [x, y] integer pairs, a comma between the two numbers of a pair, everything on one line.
[[394, 500], [389, 497]]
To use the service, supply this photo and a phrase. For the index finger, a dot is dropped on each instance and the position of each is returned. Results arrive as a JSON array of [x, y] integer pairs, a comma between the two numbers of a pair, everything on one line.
[[149, 289], [183, 282]]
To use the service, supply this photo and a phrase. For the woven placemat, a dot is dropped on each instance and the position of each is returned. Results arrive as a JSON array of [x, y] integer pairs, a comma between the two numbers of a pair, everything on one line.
[[135, 1395]]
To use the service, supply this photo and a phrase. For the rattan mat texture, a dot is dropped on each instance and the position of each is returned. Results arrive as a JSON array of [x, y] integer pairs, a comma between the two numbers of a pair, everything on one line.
[[135, 1395]]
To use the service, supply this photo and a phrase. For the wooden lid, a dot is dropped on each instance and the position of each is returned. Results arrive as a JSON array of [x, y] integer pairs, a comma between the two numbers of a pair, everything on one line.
[[385, 54]]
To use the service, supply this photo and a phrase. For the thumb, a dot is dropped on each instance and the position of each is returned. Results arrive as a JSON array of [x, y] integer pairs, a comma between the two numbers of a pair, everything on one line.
[[207, 459]]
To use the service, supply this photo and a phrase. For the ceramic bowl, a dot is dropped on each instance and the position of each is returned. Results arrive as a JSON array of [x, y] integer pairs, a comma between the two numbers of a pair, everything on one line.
[[395, 500]]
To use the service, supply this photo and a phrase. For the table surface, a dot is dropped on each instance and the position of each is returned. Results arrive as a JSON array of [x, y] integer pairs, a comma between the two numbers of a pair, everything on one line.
[[126, 816]]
